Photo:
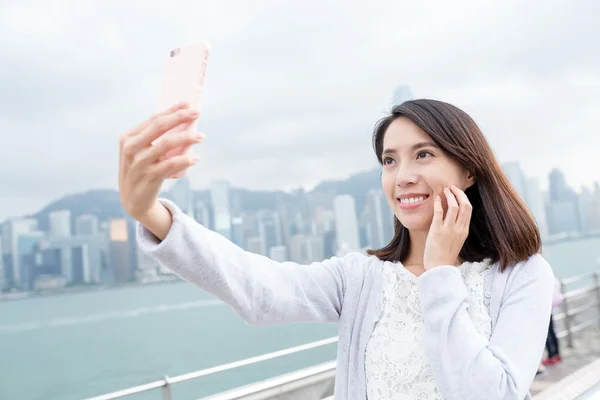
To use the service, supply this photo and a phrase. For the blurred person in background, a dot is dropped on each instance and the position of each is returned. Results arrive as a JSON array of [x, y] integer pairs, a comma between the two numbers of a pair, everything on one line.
[[552, 344]]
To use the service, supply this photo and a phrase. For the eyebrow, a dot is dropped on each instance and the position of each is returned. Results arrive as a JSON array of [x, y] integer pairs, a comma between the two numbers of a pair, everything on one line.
[[414, 147]]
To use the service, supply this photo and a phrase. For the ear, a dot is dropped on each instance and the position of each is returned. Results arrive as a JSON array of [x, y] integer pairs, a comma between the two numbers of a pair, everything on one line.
[[470, 179]]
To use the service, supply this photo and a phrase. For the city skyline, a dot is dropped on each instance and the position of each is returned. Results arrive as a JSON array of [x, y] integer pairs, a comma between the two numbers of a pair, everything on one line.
[[303, 228], [170, 185]]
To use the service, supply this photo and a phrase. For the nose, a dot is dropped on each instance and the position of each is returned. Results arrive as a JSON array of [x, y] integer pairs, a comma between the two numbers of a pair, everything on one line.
[[405, 177]]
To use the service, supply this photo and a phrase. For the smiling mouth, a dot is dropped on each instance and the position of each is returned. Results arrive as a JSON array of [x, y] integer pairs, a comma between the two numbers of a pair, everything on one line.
[[412, 200]]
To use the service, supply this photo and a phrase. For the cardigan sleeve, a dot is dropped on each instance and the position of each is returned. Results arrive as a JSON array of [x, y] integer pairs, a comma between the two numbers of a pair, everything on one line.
[[257, 288], [465, 365]]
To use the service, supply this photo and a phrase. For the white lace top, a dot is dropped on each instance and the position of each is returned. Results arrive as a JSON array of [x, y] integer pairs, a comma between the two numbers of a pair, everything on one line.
[[395, 365]]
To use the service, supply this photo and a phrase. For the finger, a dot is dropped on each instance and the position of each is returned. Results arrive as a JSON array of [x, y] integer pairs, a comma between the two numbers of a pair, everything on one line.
[[438, 213], [464, 207], [157, 128], [167, 143], [452, 212], [167, 168], [142, 125]]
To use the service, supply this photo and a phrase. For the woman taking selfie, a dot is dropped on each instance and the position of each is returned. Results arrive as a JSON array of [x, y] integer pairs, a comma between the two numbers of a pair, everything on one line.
[[456, 306]]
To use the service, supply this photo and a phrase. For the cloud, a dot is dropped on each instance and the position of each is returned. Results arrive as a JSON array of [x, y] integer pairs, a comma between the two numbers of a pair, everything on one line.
[[293, 89]]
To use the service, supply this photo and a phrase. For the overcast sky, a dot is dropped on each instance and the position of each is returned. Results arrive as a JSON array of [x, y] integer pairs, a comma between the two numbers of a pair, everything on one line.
[[293, 89]]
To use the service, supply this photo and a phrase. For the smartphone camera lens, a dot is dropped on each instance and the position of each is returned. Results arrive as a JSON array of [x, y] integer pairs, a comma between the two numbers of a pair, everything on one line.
[[172, 53]]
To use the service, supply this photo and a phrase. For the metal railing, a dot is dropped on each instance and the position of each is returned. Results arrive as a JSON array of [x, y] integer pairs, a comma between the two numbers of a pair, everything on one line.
[[574, 307], [580, 308], [315, 382], [166, 382]]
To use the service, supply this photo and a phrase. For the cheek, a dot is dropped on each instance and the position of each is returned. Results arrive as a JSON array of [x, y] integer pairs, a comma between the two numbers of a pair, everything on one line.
[[436, 183], [388, 183]]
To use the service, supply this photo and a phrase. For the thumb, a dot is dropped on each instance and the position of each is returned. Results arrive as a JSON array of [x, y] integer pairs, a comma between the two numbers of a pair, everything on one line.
[[438, 213]]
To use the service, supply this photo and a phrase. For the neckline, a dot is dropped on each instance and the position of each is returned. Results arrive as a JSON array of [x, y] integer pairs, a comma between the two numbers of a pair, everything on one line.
[[399, 266]]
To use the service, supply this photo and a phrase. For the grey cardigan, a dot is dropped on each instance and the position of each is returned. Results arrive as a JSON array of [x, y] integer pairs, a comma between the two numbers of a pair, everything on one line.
[[348, 290]]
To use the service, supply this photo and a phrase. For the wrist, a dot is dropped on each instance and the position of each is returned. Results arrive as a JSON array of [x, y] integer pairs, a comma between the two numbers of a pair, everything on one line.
[[157, 219]]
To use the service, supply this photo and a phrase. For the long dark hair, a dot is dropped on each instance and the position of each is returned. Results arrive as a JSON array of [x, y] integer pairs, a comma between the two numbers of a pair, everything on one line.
[[502, 227]]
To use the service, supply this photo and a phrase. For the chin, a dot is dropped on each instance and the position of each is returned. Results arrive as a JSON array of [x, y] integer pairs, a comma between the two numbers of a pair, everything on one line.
[[415, 224]]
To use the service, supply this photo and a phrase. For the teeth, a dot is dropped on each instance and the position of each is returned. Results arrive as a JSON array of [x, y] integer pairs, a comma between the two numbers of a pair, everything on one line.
[[412, 200]]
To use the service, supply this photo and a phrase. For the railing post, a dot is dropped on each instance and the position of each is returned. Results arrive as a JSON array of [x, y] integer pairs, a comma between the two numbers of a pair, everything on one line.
[[166, 389], [568, 321], [597, 285]]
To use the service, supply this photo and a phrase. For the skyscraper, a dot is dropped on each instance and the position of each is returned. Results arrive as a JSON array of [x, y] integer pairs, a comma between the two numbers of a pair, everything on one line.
[[202, 214], [535, 200], [120, 257], [346, 224], [589, 211], [563, 208], [269, 229], [559, 190], [516, 177], [278, 253], [237, 232], [183, 196], [11, 231], [377, 229], [219, 193], [255, 244], [529, 191], [27, 245], [401, 94], [86, 225], [60, 223]]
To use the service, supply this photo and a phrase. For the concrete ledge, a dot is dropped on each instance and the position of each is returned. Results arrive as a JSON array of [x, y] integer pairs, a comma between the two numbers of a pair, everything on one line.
[[574, 385]]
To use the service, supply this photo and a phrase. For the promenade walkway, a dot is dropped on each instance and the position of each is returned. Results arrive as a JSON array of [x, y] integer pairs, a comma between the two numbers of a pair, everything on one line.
[[585, 352]]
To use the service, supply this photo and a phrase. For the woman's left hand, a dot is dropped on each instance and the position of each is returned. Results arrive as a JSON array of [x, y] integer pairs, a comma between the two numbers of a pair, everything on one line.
[[447, 235]]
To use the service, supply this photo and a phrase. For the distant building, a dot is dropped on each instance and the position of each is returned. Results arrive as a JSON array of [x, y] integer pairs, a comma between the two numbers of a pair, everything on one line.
[[27, 246], [379, 220], [120, 258], [255, 245], [346, 223], [237, 232], [12, 229], [516, 177], [401, 94], [220, 197], [269, 229], [589, 211], [78, 258], [298, 250], [183, 196], [87, 225], [529, 191], [60, 223], [535, 200], [202, 214], [315, 249], [563, 207], [278, 253]]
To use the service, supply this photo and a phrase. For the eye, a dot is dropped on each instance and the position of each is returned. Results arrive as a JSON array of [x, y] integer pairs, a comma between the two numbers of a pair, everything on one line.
[[387, 160], [424, 154]]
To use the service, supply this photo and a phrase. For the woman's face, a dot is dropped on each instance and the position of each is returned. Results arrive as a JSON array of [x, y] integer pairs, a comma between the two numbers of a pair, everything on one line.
[[415, 170]]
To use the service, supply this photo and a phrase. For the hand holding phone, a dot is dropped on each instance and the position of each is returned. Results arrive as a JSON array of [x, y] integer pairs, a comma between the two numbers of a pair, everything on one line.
[[183, 80]]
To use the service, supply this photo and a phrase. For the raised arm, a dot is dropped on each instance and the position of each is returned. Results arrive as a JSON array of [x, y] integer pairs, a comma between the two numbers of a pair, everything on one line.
[[259, 289]]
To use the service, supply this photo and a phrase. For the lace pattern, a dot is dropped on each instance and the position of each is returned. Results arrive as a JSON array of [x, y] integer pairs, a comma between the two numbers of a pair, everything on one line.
[[395, 363]]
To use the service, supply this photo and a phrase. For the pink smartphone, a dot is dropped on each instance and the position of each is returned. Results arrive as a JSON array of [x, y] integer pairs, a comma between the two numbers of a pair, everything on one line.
[[183, 80]]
